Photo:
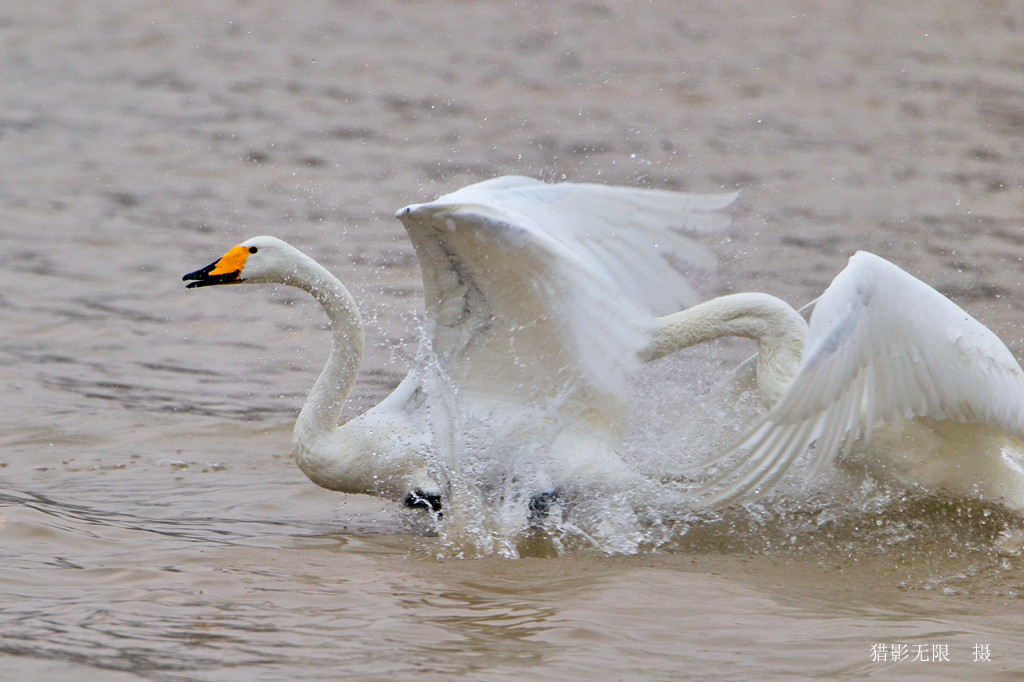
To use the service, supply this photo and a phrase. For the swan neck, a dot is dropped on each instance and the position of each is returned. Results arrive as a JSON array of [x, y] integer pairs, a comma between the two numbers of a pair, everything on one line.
[[780, 333], [322, 412]]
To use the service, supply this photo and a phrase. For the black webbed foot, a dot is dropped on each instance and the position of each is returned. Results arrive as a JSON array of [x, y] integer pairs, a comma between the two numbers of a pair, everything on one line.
[[417, 499], [541, 503]]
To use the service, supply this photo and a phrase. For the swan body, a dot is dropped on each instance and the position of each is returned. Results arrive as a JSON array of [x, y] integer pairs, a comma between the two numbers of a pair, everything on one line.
[[539, 299], [891, 370], [378, 450]]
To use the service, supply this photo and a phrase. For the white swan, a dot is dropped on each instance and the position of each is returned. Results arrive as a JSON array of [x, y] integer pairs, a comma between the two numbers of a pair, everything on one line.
[[891, 368], [538, 299]]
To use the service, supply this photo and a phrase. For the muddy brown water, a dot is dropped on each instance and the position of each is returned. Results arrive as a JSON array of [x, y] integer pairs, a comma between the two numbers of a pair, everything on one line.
[[152, 523]]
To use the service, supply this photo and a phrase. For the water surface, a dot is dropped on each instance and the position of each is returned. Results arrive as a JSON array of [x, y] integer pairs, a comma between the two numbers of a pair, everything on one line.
[[152, 523]]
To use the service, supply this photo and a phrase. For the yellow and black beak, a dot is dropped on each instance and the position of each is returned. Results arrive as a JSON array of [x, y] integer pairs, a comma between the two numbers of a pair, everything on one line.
[[225, 270]]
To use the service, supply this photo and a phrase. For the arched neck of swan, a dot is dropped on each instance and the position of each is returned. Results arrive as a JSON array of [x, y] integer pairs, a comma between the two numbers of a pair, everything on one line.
[[322, 411], [780, 333]]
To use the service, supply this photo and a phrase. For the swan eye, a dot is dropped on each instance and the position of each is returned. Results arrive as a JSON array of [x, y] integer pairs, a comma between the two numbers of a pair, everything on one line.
[[253, 249]]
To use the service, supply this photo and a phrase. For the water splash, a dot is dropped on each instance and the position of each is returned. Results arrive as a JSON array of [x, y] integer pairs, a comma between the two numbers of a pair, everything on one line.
[[493, 478]]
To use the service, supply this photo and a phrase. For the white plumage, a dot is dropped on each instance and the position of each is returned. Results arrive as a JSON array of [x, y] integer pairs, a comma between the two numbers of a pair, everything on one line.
[[538, 298], [902, 376], [565, 276]]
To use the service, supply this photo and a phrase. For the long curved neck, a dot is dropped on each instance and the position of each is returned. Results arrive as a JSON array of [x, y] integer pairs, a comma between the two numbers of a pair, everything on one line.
[[779, 331], [322, 411]]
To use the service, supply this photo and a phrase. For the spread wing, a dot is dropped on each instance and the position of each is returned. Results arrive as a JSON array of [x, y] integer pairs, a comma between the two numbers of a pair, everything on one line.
[[535, 284], [881, 346]]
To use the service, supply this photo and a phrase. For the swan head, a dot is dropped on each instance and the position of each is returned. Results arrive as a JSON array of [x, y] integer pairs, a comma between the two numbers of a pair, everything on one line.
[[256, 260]]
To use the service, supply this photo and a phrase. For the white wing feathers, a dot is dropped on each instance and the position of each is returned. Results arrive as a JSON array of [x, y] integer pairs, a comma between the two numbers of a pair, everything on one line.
[[882, 346], [583, 268]]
